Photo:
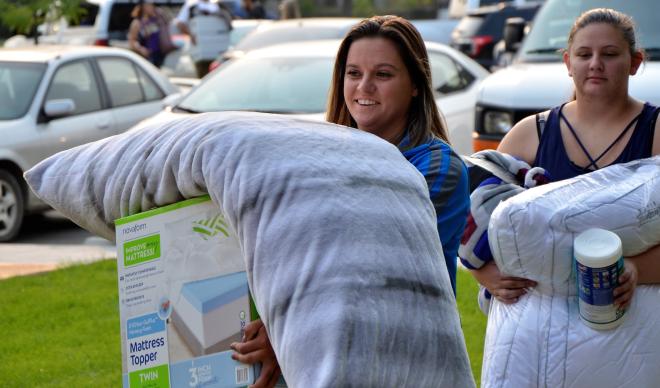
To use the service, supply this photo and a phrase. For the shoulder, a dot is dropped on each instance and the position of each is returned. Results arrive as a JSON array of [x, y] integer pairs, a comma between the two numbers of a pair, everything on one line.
[[134, 26], [655, 149], [443, 169], [522, 140]]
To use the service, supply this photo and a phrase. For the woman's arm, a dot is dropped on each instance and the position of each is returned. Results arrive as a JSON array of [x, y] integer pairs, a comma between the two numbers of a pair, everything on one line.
[[256, 348], [641, 269], [133, 43], [522, 142], [645, 267], [648, 265]]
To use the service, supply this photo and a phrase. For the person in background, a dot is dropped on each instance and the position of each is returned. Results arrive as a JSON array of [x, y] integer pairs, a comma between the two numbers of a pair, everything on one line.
[[194, 8], [253, 9], [144, 33], [382, 85], [289, 9], [603, 125]]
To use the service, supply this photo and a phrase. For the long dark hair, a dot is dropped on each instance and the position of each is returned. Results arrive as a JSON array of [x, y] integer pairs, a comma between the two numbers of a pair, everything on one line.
[[424, 118]]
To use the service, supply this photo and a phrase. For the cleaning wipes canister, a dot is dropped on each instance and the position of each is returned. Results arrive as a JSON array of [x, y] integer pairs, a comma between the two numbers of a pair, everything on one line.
[[598, 264]]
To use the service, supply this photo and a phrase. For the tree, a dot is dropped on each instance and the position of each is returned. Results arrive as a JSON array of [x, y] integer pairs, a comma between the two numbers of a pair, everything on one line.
[[23, 16]]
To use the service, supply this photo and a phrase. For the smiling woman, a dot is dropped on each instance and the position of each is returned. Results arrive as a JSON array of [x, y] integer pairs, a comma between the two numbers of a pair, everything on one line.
[[382, 85], [377, 88]]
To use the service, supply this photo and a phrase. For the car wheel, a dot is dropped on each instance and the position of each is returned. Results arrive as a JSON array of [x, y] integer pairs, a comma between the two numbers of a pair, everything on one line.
[[11, 206]]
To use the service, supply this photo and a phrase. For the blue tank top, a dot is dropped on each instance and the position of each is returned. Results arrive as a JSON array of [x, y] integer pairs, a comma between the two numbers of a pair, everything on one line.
[[551, 154]]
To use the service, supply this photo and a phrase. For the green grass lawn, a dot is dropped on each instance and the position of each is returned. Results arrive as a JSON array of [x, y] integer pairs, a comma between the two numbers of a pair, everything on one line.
[[473, 321], [61, 329]]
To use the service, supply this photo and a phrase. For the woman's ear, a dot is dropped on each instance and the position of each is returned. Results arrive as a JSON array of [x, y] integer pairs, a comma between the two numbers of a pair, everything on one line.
[[415, 92], [636, 62], [567, 62]]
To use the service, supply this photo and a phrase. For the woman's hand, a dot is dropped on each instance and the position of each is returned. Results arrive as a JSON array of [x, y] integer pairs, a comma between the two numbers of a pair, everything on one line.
[[627, 283], [256, 348], [507, 289]]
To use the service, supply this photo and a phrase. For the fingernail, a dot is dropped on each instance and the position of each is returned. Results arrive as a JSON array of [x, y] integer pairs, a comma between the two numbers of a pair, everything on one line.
[[233, 345]]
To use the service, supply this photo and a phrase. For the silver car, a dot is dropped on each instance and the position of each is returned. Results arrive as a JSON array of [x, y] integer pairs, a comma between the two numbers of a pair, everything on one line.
[[294, 78], [53, 98]]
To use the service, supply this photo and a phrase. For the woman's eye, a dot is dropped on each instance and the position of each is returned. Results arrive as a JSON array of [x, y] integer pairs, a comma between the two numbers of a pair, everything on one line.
[[353, 73], [382, 74]]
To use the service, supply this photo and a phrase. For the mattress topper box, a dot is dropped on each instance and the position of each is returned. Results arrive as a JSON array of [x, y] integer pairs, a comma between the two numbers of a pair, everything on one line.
[[183, 297]]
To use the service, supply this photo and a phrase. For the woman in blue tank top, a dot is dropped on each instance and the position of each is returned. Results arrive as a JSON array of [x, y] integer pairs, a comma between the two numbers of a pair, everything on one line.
[[602, 126]]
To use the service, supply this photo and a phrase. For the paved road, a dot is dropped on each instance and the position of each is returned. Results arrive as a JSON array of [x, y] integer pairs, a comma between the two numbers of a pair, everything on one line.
[[48, 241]]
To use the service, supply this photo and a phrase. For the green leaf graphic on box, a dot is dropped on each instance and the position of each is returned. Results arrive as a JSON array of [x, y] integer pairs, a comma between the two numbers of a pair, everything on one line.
[[211, 227]]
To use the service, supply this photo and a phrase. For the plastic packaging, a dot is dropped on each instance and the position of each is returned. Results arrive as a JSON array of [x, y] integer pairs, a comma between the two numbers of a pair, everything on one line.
[[598, 264]]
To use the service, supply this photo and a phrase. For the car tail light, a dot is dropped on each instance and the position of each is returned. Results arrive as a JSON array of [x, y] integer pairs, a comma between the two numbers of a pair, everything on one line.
[[214, 65], [101, 42], [478, 44]]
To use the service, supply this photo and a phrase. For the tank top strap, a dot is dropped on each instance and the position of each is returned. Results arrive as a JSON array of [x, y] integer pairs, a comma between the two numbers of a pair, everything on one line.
[[640, 144], [592, 161]]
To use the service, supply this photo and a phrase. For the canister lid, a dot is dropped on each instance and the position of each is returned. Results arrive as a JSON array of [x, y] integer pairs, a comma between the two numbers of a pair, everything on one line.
[[597, 247]]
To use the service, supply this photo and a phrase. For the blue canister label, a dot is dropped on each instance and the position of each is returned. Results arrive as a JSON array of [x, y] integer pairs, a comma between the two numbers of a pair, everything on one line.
[[595, 292]]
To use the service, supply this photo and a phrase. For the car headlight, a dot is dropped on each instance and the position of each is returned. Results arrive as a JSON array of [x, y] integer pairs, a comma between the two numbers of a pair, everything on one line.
[[497, 122]]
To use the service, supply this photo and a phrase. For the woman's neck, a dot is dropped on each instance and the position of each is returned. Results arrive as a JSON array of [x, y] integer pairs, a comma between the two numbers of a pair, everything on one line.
[[598, 109]]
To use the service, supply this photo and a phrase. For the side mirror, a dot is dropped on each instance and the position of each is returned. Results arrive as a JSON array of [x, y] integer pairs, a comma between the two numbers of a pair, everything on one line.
[[59, 107], [514, 32], [171, 100]]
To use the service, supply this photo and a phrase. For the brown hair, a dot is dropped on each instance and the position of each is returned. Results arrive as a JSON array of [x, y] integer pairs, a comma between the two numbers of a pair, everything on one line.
[[424, 118], [619, 20]]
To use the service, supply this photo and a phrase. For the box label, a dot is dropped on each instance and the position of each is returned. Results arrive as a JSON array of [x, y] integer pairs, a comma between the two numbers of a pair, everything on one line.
[[141, 250], [182, 285], [156, 377]]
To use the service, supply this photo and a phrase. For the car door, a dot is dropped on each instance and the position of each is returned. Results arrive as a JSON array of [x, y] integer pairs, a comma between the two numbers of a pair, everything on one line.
[[134, 96], [87, 122], [453, 86]]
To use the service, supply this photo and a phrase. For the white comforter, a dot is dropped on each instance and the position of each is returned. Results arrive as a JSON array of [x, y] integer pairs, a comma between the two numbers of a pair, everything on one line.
[[336, 227], [540, 341]]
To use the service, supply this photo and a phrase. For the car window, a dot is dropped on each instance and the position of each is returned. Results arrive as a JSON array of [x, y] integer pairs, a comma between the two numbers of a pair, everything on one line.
[[448, 76], [75, 80], [88, 16], [18, 84], [552, 24], [281, 85], [122, 81], [266, 37], [149, 87]]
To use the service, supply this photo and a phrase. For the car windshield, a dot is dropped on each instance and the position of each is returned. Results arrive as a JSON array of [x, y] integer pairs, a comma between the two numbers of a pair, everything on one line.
[[277, 85], [549, 33], [18, 85], [263, 38]]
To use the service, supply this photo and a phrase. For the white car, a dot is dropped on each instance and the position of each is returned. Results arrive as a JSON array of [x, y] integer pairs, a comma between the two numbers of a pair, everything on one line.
[[288, 31], [294, 78], [53, 98]]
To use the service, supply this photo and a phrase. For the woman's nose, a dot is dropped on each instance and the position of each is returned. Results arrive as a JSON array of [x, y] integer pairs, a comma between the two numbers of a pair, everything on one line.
[[596, 62], [366, 84]]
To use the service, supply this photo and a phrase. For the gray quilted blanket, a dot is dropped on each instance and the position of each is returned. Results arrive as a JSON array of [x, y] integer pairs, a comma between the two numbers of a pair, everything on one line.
[[336, 227]]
